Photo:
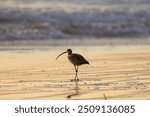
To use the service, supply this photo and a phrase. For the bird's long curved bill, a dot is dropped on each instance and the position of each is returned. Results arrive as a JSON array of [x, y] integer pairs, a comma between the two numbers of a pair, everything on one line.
[[60, 55]]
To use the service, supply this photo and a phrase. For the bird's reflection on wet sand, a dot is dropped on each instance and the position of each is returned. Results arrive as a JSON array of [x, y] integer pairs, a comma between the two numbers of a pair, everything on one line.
[[76, 90]]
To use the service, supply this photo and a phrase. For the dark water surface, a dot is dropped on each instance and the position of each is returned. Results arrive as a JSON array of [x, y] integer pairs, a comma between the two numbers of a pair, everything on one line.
[[56, 20]]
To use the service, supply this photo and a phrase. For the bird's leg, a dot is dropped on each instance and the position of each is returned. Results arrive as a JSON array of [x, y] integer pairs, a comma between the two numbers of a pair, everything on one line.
[[77, 73]]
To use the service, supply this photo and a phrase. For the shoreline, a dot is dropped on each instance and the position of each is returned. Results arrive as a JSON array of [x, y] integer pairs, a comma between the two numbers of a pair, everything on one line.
[[77, 42]]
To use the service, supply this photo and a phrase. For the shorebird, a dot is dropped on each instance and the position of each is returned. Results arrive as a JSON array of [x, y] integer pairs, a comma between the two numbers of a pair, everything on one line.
[[76, 60]]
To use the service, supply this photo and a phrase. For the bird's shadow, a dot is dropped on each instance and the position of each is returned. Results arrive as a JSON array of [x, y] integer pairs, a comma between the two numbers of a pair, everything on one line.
[[76, 90]]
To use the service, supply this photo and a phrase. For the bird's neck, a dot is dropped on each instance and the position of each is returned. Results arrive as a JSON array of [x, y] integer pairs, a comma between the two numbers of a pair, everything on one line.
[[69, 54]]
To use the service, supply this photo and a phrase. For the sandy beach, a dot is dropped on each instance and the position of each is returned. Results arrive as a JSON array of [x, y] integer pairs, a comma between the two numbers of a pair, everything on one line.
[[118, 72]]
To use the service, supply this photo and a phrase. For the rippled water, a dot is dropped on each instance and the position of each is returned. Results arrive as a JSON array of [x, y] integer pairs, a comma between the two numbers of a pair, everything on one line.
[[70, 19]]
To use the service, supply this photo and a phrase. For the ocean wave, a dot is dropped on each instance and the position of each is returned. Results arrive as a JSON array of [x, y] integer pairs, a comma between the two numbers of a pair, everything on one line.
[[39, 24]]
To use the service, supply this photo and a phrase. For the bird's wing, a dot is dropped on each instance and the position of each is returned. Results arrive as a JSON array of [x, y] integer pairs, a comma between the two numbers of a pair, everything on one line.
[[80, 59]]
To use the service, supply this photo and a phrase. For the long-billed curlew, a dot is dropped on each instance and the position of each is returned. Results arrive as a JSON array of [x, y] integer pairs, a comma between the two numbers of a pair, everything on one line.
[[76, 60]]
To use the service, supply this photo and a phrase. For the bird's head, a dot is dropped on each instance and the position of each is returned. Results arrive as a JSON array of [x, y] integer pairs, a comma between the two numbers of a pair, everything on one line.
[[69, 51]]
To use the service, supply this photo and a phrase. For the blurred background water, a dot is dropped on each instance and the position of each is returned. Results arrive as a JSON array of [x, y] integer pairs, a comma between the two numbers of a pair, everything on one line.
[[62, 22]]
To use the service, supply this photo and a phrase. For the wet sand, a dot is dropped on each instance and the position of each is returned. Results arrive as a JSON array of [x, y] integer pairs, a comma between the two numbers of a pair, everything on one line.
[[114, 71]]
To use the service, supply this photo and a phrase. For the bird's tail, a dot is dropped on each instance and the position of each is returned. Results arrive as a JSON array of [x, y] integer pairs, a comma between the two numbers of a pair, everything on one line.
[[87, 62]]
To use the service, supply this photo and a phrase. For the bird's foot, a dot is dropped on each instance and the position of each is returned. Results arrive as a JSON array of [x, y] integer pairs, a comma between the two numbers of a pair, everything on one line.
[[74, 80]]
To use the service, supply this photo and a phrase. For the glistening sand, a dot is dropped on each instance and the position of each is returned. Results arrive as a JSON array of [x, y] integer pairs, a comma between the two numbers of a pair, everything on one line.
[[119, 72]]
